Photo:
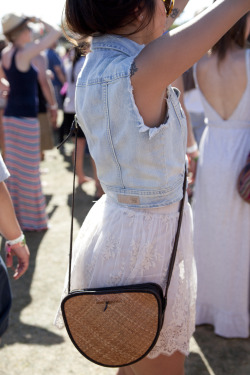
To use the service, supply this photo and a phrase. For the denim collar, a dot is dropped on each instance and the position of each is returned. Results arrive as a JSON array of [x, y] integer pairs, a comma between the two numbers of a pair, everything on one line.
[[118, 43]]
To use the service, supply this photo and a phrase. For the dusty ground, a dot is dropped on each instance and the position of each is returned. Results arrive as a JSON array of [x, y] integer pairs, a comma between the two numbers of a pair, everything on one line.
[[32, 345]]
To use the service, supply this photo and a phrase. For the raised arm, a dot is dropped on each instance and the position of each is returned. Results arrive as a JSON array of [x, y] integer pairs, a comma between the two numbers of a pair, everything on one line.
[[179, 6], [167, 57], [33, 49]]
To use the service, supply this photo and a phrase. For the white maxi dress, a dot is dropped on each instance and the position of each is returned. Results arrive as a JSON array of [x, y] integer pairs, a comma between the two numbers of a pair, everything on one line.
[[222, 221]]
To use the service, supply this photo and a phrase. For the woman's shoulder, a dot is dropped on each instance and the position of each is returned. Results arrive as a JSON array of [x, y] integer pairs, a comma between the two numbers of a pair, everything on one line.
[[205, 62], [6, 56], [101, 68]]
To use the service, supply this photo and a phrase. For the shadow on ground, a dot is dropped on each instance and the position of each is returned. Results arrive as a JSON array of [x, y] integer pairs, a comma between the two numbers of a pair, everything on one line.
[[218, 355], [19, 332]]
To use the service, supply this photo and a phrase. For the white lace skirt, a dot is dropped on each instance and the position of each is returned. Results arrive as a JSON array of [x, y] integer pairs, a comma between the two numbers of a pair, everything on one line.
[[118, 246]]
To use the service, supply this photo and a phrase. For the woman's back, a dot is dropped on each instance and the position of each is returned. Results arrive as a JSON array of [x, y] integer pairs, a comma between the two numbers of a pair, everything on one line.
[[224, 84], [22, 101], [221, 217]]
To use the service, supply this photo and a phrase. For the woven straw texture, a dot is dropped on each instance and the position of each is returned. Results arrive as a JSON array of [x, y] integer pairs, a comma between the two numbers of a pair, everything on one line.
[[114, 333]]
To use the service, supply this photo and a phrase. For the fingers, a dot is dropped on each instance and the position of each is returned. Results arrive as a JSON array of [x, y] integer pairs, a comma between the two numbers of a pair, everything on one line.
[[9, 260], [22, 254], [20, 269]]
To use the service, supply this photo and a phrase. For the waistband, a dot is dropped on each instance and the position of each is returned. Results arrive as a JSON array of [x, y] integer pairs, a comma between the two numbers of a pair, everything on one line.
[[171, 209], [146, 199]]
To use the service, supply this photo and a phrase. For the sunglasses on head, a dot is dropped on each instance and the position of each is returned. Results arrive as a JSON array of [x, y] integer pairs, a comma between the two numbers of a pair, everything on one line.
[[169, 4]]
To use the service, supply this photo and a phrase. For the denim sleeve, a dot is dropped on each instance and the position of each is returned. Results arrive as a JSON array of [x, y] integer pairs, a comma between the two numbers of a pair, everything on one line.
[[5, 298]]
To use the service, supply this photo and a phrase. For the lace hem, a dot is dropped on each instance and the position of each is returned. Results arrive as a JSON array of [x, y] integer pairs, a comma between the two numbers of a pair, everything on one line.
[[118, 246]]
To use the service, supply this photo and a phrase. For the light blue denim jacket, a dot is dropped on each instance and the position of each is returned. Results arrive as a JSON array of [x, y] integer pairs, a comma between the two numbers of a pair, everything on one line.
[[137, 166]]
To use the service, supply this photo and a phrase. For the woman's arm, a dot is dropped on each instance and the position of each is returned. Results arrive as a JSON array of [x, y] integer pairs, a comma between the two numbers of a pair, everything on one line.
[[179, 5], [166, 58], [191, 142], [10, 230], [178, 83], [3, 80], [33, 49], [46, 86]]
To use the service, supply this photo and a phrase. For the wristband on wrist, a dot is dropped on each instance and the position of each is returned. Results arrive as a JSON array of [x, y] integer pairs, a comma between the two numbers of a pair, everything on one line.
[[54, 106], [19, 240], [192, 148]]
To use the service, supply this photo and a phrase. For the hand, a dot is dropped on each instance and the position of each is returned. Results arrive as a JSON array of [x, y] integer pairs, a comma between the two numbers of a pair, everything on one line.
[[53, 117], [22, 253], [4, 94], [35, 19], [192, 163]]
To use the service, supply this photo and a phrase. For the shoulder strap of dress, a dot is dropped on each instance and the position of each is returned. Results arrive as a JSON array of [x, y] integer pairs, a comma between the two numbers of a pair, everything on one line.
[[13, 61], [248, 66], [195, 75]]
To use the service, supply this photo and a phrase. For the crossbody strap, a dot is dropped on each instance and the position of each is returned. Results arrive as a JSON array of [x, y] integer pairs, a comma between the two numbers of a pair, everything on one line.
[[177, 236], [74, 130]]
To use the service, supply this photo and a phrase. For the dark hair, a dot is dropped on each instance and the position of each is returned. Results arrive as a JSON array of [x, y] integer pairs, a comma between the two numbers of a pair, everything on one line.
[[188, 80], [79, 51], [96, 17], [235, 36]]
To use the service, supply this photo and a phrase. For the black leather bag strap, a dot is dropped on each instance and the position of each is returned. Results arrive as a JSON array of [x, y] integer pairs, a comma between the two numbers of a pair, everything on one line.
[[74, 130], [177, 236]]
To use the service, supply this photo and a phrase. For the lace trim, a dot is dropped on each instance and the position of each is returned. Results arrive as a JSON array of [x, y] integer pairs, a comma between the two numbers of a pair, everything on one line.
[[144, 257]]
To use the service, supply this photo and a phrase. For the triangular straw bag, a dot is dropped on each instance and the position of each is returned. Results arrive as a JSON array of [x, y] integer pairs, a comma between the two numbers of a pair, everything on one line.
[[116, 326]]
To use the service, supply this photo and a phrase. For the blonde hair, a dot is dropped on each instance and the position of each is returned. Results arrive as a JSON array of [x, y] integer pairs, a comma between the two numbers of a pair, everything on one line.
[[12, 35]]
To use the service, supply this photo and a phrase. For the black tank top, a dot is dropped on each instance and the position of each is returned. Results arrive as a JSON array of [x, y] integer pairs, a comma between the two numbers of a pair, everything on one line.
[[22, 99]]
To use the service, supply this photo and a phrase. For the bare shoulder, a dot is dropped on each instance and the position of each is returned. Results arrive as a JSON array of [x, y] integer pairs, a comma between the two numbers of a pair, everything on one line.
[[7, 53], [205, 63], [240, 55]]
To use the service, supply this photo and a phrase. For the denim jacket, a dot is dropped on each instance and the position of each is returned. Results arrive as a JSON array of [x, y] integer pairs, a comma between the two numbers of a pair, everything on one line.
[[137, 166]]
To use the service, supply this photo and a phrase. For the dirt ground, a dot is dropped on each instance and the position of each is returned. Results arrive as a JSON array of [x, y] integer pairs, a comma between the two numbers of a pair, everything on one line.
[[32, 345]]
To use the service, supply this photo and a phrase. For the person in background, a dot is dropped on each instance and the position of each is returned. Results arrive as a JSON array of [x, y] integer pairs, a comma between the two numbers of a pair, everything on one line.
[[21, 126], [56, 67], [193, 104], [4, 88], [15, 246], [221, 216], [192, 146], [73, 66], [137, 134], [47, 112]]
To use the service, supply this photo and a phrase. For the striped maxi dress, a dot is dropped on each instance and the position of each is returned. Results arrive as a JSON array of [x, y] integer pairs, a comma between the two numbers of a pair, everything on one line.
[[22, 157]]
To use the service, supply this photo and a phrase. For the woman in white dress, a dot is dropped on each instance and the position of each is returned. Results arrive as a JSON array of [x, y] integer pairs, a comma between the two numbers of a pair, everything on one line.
[[221, 217], [136, 133]]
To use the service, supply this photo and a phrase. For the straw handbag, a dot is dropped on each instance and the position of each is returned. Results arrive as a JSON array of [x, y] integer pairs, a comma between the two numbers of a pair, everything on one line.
[[117, 326]]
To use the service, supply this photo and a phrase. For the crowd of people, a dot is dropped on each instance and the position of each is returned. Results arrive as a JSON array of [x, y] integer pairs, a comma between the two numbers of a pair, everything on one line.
[[139, 137]]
